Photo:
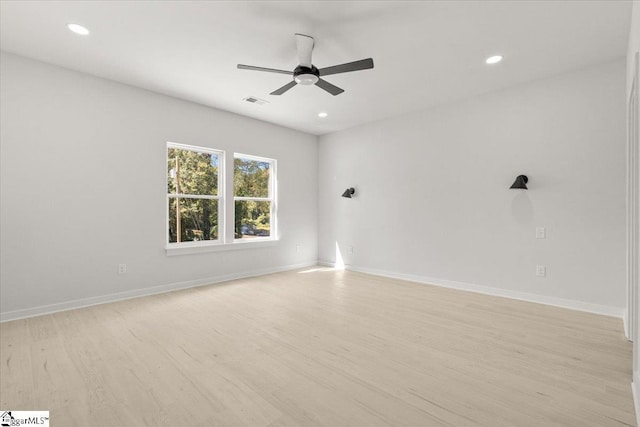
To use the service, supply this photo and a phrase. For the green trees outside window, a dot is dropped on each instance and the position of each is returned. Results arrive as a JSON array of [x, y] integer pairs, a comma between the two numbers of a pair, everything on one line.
[[192, 187], [253, 196]]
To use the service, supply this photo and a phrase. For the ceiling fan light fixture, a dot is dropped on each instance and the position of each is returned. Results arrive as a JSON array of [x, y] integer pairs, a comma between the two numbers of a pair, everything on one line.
[[306, 79]]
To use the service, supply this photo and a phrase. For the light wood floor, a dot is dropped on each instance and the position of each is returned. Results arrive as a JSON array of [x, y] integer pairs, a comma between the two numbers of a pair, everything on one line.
[[319, 348]]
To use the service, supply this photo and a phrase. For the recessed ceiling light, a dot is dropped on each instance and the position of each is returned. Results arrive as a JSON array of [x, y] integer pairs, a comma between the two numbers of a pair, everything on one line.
[[322, 114], [78, 29], [493, 59]]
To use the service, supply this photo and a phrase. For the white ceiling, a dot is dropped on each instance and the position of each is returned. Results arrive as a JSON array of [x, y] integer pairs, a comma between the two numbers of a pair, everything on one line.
[[425, 53]]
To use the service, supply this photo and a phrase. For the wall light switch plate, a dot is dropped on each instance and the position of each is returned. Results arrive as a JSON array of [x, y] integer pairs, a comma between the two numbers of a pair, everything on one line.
[[541, 233], [541, 270]]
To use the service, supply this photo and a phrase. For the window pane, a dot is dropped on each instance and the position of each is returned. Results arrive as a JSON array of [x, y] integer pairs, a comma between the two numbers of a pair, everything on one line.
[[251, 178], [253, 219], [192, 172], [198, 220]]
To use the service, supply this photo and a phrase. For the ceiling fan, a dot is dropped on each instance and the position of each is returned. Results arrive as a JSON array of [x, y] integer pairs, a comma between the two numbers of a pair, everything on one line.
[[307, 74]]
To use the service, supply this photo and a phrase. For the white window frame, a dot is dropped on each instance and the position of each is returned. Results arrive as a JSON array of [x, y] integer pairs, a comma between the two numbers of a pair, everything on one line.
[[273, 228], [220, 198]]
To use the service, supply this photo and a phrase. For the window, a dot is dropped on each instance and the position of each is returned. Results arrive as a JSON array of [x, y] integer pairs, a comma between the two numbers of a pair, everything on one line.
[[197, 180], [254, 197], [194, 204]]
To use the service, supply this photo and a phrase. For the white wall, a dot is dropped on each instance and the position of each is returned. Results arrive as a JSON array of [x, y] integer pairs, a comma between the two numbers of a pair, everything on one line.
[[633, 50], [432, 198], [83, 187]]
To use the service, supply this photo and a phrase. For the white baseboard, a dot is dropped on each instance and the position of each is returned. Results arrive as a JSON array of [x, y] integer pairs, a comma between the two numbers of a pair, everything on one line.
[[85, 302], [506, 293], [626, 326], [541, 299], [635, 388]]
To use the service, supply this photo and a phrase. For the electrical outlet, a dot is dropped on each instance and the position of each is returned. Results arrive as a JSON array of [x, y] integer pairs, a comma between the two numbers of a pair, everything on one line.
[[350, 249], [541, 233], [541, 270], [298, 248], [122, 268]]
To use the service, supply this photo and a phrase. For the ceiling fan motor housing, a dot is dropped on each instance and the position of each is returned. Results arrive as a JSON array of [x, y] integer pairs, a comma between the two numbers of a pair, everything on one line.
[[305, 75]]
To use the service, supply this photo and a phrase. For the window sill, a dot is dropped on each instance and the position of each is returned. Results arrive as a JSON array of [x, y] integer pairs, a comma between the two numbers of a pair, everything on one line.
[[219, 247]]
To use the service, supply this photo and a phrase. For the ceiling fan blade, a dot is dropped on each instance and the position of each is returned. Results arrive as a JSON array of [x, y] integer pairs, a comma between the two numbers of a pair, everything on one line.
[[284, 88], [363, 64], [304, 44], [271, 70], [333, 90]]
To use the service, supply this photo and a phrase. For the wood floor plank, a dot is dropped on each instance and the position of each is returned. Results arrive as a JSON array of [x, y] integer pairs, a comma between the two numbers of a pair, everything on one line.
[[320, 347], [16, 377]]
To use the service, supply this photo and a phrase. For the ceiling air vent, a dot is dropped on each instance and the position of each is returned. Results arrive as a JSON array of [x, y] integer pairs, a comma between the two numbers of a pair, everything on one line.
[[254, 100]]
